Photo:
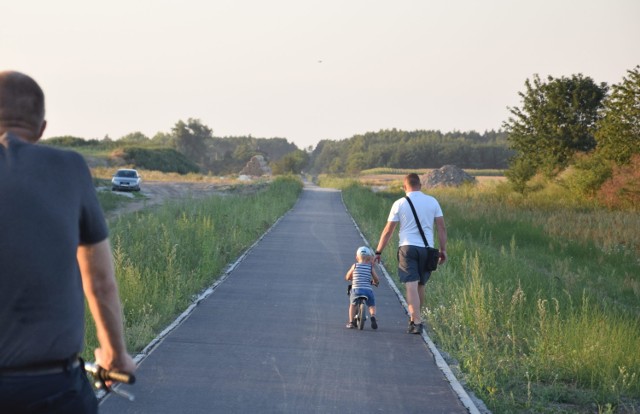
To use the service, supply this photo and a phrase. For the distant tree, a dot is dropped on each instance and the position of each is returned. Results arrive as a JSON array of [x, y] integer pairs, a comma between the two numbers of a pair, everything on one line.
[[336, 166], [244, 152], [159, 159], [520, 172], [163, 139], [556, 121], [69, 141], [355, 162], [618, 133], [294, 163], [273, 148], [190, 139], [134, 138]]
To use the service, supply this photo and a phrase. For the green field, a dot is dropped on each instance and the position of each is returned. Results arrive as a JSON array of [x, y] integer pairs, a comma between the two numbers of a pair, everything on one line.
[[540, 301]]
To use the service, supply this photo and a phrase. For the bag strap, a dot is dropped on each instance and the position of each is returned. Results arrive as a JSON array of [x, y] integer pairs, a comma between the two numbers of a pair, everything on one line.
[[415, 216]]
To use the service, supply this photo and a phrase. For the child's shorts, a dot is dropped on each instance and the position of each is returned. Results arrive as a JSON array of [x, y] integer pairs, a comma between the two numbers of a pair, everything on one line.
[[368, 292]]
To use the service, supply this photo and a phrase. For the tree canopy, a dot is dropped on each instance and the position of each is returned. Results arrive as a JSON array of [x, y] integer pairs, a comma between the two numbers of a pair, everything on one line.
[[557, 120], [618, 134], [190, 139]]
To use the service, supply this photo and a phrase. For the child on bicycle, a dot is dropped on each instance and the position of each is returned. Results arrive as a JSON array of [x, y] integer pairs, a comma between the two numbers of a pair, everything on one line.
[[362, 275]]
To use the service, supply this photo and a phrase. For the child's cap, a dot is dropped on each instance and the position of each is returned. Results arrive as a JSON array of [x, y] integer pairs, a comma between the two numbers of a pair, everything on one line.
[[364, 251]]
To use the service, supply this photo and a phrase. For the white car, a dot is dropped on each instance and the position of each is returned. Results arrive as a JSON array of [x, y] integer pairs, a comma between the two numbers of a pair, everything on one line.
[[126, 179]]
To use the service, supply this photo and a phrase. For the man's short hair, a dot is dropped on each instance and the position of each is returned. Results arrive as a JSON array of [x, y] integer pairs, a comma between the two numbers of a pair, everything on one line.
[[21, 101], [413, 180]]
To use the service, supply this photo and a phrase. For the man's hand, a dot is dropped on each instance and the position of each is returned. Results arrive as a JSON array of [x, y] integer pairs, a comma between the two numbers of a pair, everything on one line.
[[443, 256], [121, 363]]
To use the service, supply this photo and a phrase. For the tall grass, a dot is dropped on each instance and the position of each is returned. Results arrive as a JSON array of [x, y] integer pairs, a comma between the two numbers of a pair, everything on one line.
[[540, 316], [165, 256], [403, 171]]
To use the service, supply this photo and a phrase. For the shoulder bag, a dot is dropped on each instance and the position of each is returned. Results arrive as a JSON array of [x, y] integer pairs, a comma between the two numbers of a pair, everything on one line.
[[433, 254]]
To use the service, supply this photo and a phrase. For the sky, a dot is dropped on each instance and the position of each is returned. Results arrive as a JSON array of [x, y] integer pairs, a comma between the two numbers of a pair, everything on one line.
[[305, 70]]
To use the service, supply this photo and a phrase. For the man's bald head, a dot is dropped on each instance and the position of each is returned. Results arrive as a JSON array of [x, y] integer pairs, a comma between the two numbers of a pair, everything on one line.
[[21, 105]]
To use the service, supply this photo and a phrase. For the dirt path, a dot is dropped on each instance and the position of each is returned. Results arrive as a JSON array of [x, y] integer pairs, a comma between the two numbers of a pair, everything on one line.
[[157, 192]]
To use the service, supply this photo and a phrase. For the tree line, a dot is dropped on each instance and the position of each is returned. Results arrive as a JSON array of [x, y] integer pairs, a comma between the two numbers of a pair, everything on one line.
[[412, 149], [190, 146]]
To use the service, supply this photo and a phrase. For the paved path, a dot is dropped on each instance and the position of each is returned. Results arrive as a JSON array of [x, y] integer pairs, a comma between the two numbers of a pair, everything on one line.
[[271, 338]]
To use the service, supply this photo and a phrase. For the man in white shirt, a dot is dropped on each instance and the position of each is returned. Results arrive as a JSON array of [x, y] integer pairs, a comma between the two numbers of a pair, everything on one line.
[[412, 253]]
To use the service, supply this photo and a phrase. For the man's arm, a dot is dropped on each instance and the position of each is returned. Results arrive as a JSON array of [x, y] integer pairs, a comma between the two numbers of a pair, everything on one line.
[[101, 291], [442, 238], [387, 232]]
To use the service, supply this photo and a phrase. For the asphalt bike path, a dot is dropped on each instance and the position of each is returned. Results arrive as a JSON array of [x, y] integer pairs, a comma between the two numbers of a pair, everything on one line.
[[271, 337]]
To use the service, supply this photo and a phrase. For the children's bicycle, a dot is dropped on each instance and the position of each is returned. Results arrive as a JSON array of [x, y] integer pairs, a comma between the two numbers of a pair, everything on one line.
[[101, 376], [361, 311], [361, 307]]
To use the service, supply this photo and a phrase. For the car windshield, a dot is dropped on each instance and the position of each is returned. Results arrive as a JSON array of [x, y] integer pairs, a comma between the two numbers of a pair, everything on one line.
[[126, 174]]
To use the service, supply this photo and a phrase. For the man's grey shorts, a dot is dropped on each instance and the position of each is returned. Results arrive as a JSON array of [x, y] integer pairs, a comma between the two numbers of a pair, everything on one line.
[[411, 261]]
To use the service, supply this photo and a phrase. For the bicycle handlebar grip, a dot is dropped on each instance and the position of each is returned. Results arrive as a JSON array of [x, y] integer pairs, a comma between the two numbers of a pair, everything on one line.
[[118, 376]]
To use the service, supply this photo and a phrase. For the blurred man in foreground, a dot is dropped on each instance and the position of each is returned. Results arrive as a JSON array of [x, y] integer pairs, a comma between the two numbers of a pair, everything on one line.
[[53, 246]]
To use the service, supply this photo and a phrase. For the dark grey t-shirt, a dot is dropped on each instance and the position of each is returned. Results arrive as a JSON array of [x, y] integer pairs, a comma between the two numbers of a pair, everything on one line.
[[48, 206]]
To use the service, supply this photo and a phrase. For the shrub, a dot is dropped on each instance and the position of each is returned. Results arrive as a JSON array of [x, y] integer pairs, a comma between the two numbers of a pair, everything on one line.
[[520, 172], [622, 190], [159, 159], [587, 175]]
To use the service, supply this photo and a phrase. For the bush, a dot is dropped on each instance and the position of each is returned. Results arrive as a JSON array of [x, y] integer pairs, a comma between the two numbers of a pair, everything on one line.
[[159, 159], [520, 172], [587, 175], [622, 190]]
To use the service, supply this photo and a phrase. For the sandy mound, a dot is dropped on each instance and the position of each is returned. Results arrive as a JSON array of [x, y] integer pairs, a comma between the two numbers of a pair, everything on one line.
[[447, 176]]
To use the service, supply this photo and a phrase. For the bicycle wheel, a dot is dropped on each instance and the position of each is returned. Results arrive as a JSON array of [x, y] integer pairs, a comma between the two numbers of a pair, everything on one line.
[[362, 313]]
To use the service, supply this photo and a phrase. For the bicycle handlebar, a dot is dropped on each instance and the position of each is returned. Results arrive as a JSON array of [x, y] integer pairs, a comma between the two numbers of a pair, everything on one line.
[[101, 376], [117, 376], [107, 375]]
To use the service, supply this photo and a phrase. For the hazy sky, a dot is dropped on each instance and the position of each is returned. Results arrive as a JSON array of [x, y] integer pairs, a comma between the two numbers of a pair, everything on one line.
[[305, 70]]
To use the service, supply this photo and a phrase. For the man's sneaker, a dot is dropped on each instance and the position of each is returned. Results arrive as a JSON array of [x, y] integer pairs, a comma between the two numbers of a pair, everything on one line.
[[374, 323], [351, 325], [415, 328]]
